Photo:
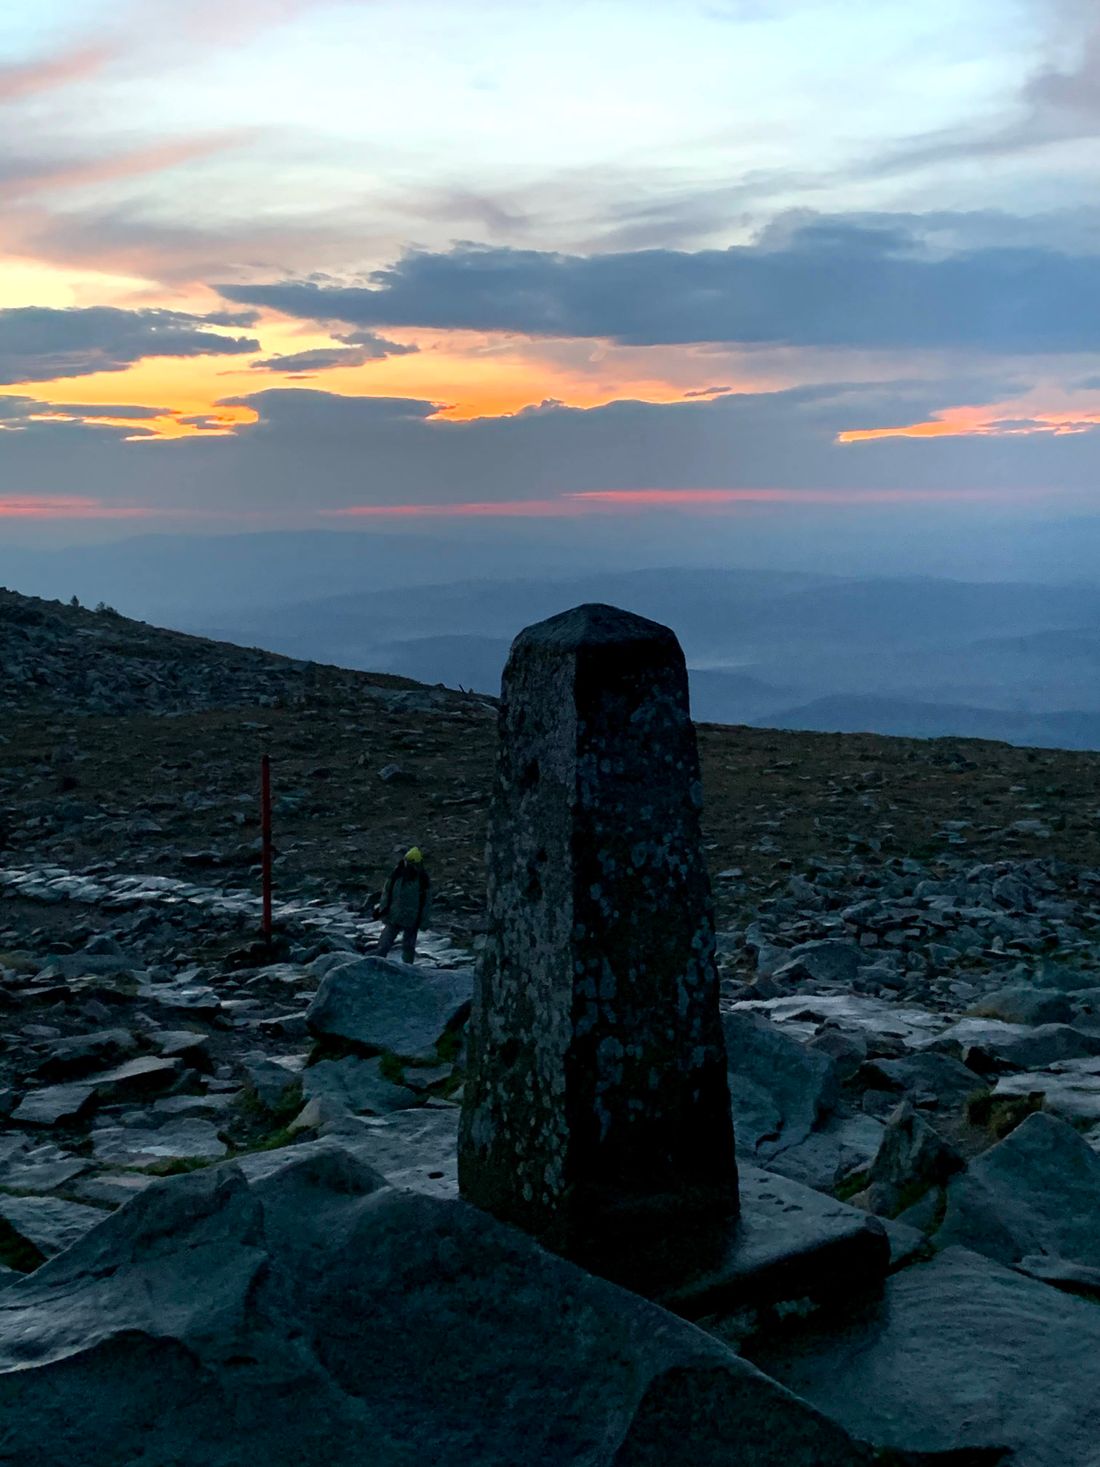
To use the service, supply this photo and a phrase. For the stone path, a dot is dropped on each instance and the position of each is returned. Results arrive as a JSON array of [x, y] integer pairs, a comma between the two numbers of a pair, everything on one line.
[[53, 884]]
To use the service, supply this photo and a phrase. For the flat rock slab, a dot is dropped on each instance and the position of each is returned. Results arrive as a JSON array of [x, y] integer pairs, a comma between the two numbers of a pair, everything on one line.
[[382, 1007], [207, 1107], [357, 1083], [184, 1044], [192, 1002], [46, 1222], [41, 1176], [415, 1149], [55, 1105], [179, 1140], [790, 1243], [872, 1018], [959, 1353], [990, 1044], [82, 1053], [146, 1076], [1071, 1091], [111, 1189], [228, 1318]]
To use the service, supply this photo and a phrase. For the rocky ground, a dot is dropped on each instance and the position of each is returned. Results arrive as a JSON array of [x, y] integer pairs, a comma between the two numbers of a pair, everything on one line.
[[909, 937]]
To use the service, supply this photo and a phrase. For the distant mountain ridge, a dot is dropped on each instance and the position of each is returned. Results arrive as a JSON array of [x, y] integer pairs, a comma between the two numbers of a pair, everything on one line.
[[908, 656], [1061, 729], [796, 636]]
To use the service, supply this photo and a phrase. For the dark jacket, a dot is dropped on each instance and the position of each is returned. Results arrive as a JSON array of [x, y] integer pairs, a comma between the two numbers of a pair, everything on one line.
[[407, 896]]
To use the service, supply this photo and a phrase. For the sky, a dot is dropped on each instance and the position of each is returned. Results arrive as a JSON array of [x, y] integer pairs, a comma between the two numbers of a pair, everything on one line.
[[333, 264]]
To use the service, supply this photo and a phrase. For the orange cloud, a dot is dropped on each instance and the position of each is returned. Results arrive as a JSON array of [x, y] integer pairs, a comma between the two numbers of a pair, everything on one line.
[[603, 500], [967, 422]]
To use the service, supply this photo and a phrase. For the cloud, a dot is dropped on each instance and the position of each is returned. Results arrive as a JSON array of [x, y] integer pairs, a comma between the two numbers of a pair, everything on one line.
[[1056, 103], [40, 343], [27, 78], [361, 347], [23, 176], [21, 410], [397, 457], [101, 409], [833, 283]]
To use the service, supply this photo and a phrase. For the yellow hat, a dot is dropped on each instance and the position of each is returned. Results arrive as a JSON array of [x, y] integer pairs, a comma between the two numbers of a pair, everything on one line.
[[415, 855]]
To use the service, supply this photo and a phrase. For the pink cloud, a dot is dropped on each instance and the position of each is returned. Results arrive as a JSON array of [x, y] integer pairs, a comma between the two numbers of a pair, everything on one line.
[[67, 507], [29, 77]]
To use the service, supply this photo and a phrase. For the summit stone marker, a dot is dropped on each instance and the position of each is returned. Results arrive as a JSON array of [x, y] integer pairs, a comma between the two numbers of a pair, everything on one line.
[[596, 1112]]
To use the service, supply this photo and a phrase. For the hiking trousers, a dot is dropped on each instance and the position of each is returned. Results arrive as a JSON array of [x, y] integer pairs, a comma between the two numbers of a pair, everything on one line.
[[408, 941]]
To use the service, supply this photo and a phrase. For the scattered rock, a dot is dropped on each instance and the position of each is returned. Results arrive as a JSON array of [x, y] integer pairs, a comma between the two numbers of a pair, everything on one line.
[[1023, 1004], [357, 1084], [52, 1106], [179, 1140], [274, 1084], [83, 1053], [779, 1089], [927, 1079], [989, 1044], [911, 1158], [48, 1224]]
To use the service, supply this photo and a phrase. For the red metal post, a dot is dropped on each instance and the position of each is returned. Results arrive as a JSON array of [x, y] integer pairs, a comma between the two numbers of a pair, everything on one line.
[[265, 837]]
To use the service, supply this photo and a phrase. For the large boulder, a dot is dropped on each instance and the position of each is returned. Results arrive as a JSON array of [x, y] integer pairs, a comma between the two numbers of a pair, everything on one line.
[[377, 1006], [1035, 1195], [318, 1316], [779, 1088], [958, 1356]]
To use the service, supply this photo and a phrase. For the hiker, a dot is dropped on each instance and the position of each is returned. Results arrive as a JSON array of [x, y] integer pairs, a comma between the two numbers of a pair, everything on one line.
[[405, 905]]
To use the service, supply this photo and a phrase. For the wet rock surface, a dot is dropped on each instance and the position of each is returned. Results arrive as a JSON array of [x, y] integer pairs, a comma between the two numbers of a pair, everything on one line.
[[959, 1355], [204, 1305]]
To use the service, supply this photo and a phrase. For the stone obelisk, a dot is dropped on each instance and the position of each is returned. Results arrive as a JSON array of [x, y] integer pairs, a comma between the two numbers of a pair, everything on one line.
[[596, 1110]]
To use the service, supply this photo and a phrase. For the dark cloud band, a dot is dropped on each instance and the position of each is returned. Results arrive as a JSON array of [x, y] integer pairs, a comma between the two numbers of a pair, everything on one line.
[[836, 283], [42, 344]]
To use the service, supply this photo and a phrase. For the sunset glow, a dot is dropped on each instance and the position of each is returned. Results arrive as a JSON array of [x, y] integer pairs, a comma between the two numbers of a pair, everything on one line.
[[722, 265]]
